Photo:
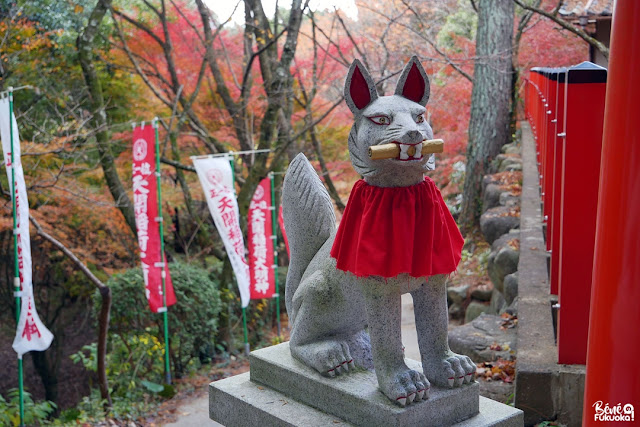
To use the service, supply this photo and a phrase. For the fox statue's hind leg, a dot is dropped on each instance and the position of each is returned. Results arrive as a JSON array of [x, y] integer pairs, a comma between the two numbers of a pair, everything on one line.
[[328, 319], [441, 366]]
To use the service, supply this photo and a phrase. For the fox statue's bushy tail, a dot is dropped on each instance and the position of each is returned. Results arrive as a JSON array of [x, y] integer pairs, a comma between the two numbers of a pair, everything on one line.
[[309, 219]]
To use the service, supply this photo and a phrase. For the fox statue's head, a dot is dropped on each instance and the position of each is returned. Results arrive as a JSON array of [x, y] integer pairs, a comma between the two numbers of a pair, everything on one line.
[[398, 119]]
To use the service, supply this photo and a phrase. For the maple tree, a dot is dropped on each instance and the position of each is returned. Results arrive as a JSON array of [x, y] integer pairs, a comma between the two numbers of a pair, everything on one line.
[[37, 54]]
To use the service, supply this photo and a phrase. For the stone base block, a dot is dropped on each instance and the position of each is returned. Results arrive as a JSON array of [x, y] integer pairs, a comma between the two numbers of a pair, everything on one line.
[[352, 399]]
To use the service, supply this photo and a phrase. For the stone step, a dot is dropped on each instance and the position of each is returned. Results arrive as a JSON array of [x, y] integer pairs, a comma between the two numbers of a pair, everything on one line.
[[355, 397], [240, 402]]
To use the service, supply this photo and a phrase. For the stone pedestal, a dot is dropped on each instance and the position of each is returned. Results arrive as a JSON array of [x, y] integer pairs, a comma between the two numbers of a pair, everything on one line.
[[280, 391]]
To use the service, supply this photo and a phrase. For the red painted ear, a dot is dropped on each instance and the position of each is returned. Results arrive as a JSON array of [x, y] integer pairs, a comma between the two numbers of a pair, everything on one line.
[[359, 90], [414, 86]]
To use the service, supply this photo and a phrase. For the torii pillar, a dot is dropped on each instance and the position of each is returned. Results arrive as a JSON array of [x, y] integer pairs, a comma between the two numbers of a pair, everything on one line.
[[613, 352]]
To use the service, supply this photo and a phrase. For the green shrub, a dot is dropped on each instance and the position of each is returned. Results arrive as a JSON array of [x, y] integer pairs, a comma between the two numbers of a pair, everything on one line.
[[34, 413], [193, 320]]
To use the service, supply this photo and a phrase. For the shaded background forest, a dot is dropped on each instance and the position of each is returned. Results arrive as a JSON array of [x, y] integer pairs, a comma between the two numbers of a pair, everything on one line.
[[276, 82]]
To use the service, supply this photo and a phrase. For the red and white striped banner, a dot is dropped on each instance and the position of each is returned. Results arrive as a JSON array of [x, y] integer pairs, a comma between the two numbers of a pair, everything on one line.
[[145, 204], [31, 334], [260, 242]]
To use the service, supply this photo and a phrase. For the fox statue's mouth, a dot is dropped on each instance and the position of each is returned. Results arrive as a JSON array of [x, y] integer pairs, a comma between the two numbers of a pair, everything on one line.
[[395, 150], [409, 151], [405, 152]]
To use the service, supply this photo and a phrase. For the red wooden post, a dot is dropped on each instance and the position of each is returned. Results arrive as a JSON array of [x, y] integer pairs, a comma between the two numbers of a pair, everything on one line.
[[614, 335], [535, 80], [532, 100], [553, 224], [584, 98], [529, 99], [548, 171], [540, 123], [544, 87]]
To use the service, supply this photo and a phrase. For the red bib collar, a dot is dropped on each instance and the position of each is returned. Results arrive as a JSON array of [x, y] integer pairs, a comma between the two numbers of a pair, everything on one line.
[[388, 231]]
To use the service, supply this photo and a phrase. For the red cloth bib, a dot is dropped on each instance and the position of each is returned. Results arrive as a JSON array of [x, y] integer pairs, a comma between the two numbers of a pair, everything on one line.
[[388, 231]]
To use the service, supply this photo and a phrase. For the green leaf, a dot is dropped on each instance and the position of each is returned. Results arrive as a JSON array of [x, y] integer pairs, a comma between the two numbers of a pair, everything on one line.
[[151, 386]]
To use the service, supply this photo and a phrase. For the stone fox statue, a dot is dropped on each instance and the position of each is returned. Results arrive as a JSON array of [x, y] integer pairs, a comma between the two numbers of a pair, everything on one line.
[[396, 236]]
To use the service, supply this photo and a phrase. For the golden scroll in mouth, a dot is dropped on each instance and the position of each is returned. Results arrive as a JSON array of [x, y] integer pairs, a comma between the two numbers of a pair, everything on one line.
[[392, 151]]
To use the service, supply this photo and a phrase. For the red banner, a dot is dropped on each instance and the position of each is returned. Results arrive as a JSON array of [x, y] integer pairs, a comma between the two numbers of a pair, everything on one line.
[[145, 204], [263, 282], [282, 230]]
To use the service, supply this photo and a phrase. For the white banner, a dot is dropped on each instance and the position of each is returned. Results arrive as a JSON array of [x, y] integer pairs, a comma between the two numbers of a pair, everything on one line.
[[31, 334], [217, 183]]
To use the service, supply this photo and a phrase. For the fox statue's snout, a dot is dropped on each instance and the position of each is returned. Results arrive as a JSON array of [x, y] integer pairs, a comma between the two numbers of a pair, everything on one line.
[[412, 137]]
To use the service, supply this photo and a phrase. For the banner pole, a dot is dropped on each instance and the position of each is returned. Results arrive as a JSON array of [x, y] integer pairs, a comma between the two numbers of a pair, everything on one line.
[[163, 274], [16, 267], [274, 224], [244, 311]]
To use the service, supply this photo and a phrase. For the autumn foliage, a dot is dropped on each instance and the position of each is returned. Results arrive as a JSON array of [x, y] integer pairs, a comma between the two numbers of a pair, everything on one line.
[[151, 67]]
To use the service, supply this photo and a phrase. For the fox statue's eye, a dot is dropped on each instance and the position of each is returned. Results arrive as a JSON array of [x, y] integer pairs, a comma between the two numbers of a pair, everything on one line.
[[420, 118], [380, 120]]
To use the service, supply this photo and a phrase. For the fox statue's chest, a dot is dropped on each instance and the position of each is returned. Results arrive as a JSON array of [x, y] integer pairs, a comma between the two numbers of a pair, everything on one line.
[[397, 233]]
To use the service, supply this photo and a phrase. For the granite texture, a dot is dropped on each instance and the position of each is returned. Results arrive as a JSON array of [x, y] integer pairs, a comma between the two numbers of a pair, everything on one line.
[[330, 309], [236, 401], [245, 399], [356, 397]]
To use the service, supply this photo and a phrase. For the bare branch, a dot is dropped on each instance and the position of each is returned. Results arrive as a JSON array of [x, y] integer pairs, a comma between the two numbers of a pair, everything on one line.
[[138, 25], [434, 45], [177, 165], [79, 264], [355, 45], [253, 56], [567, 26], [135, 63]]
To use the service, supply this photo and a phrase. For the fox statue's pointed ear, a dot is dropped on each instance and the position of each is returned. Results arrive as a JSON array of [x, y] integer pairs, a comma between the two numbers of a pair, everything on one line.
[[359, 89], [414, 83]]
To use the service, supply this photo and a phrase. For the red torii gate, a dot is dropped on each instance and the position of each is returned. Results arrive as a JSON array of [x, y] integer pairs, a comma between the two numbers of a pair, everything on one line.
[[612, 379]]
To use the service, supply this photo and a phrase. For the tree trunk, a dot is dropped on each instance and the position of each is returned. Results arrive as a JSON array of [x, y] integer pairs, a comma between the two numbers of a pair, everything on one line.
[[490, 99], [84, 45], [333, 192], [103, 330], [46, 364], [103, 318], [522, 24]]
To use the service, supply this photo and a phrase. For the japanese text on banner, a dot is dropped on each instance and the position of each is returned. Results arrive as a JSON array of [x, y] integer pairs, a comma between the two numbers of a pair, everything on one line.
[[145, 205], [260, 242], [217, 183], [31, 334]]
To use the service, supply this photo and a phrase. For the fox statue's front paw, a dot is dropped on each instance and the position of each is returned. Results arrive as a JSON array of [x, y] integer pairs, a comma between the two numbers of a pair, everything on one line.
[[328, 357], [404, 385], [451, 371]]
